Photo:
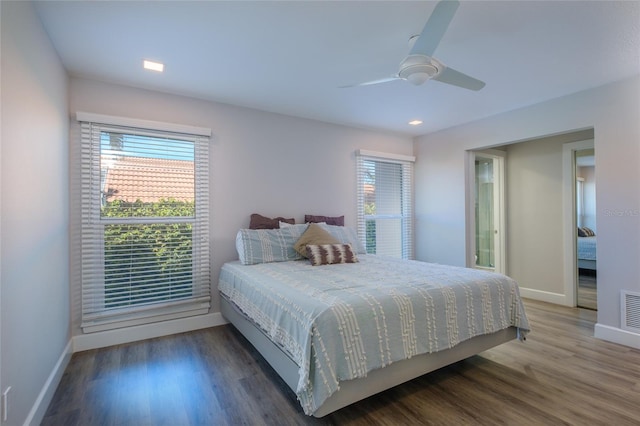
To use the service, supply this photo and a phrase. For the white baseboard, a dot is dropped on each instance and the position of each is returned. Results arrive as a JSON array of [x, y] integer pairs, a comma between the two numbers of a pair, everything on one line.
[[119, 336], [41, 404], [617, 335], [544, 296], [603, 332]]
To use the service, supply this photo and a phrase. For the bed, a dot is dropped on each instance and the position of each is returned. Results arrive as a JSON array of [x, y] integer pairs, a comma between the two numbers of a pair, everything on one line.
[[587, 252], [338, 333]]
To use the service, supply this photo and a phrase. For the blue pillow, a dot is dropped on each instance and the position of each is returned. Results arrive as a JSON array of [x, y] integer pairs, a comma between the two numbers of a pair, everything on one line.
[[268, 245]]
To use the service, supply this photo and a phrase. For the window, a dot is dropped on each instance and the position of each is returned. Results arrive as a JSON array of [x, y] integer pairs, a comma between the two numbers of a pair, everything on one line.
[[580, 201], [145, 236], [385, 206]]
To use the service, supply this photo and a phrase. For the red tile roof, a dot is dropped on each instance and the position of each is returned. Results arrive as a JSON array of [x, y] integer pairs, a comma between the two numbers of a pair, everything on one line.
[[148, 179]]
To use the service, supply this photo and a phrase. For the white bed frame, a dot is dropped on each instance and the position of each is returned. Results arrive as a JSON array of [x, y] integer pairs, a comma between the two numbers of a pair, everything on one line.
[[378, 380]]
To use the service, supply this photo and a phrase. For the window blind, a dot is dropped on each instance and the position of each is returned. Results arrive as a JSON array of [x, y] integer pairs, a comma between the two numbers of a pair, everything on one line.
[[145, 225], [385, 204]]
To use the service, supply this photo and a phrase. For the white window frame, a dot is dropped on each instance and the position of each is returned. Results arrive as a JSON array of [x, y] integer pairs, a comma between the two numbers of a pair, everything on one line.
[[407, 163], [94, 317]]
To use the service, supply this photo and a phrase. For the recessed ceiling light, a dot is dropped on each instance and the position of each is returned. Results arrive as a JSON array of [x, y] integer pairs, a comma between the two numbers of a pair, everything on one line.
[[415, 122], [153, 66]]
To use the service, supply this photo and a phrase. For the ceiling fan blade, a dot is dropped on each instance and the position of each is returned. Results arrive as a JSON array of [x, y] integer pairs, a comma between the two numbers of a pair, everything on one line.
[[456, 78], [435, 28], [369, 83]]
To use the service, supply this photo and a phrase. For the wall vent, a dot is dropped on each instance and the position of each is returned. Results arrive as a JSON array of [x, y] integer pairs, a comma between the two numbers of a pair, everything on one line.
[[630, 310]]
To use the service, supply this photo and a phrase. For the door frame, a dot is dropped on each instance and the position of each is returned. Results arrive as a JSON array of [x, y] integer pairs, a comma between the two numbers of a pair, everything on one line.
[[569, 217], [499, 207]]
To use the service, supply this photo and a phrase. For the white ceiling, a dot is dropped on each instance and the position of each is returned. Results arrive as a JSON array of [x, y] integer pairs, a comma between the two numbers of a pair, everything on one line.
[[291, 57]]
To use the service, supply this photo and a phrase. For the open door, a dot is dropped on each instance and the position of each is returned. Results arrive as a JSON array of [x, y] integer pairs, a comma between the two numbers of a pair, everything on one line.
[[574, 218], [485, 211]]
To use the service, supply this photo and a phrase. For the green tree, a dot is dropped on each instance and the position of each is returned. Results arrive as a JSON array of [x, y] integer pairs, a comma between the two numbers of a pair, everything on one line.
[[147, 263], [370, 236]]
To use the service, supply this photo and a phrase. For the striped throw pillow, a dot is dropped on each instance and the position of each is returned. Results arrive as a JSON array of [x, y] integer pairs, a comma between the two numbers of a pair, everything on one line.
[[327, 254], [268, 245], [588, 231]]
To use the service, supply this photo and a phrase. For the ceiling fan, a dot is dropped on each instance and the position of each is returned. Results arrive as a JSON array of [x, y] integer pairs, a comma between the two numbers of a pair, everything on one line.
[[419, 66]]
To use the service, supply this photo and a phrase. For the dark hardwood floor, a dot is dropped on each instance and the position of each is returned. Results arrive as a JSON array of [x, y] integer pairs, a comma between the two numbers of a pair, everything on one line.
[[560, 375]]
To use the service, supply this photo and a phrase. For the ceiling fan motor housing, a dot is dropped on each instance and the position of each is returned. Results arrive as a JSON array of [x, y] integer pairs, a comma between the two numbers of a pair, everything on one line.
[[419, 68]]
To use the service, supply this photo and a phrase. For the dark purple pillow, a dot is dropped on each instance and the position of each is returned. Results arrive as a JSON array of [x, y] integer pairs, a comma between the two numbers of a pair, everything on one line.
[[262, 222], [329, 220]]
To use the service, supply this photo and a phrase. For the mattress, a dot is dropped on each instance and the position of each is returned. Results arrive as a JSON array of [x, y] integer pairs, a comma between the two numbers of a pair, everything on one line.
[[339, 322]]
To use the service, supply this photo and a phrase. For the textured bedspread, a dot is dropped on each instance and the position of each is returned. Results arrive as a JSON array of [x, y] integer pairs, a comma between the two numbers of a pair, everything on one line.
[[587, 248], [338, 322]]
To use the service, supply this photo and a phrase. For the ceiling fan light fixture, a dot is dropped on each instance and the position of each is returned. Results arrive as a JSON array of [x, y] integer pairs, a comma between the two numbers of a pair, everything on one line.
[[418, 78], [418, 68]]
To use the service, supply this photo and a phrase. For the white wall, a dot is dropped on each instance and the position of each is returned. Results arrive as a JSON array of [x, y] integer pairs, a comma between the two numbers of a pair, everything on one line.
[[34, 247], [263, 163], [534, 215], [612, 111], [534, 208]]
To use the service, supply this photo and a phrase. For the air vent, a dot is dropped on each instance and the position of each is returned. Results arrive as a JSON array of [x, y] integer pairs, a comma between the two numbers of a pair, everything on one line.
[[630, 311]]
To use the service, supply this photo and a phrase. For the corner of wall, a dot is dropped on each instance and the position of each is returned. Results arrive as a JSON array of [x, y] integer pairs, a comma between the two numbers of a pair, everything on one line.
[[39, 409]]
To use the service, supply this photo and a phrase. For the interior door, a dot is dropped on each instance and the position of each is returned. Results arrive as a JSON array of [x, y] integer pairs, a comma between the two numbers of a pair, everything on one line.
[[571, 221], [585, 209], [488, 216]]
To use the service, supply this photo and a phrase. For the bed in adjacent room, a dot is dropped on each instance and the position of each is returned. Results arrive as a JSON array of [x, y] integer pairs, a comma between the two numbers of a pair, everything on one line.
[[340, 332], [586, 249]]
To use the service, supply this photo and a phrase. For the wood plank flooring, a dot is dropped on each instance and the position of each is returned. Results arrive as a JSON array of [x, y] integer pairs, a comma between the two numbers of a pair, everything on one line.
[[587, 289], [560, 376]]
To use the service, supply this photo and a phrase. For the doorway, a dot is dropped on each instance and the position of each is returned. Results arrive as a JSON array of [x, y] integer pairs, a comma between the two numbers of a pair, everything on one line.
[[580, 232], [586, 290], [486, 178]]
